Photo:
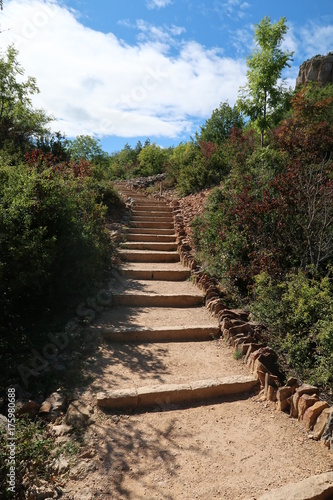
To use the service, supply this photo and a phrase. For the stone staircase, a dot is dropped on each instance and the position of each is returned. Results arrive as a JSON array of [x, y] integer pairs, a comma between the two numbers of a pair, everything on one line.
[[152, 277]]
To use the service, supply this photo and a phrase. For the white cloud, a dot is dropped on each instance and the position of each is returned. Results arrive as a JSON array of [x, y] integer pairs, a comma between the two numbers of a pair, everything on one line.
[[290, 41], [231, 8], [163, 36], [316, 39], [94, 83], [242, 40], [157, 4]]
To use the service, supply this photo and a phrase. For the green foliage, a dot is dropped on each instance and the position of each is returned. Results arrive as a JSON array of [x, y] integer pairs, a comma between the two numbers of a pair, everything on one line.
[[52, 233], [87, 148], [238, 354], [299, 314], [263, 99], [195, 166], [218, 127], [34, 448], [105, 194], [151, 160], [20, 123]]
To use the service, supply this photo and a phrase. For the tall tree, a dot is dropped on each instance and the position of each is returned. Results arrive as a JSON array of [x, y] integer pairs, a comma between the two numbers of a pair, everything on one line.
[[86, 147], [264, 98], [20, 123], [218, 127]]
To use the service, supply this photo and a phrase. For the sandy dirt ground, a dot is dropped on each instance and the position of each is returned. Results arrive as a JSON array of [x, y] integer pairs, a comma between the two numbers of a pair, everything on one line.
[[228, 449]]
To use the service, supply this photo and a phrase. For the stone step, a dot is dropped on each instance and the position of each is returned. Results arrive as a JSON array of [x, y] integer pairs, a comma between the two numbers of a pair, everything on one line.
[[149, 218], [152, 225], [166, 394], [153, 300], [155, 231], [144, 271], [148, 256], [318, 487], [161, 238], [151, 207], [137, 212], [119, 317], [144, 245], [164, 334]]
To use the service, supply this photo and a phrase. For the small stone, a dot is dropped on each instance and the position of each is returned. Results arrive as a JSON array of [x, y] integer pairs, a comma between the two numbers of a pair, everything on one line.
[[305, 401], [311, 414], [82, 470], [61, 430], [87, 454], [293, 400], [307, 389], [45, 408], [57, 400], [78, 414], [283, 393], [3, 422], [314, 487], [261, 377], [327, 435], [320, 425], [24, 407], [61, 465], [292, 382], [271, 393]]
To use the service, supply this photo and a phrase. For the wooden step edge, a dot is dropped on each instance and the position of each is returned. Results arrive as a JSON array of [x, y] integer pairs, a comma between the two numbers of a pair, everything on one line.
[[165, 334], [157, 300], [166, 394], [156, 274]]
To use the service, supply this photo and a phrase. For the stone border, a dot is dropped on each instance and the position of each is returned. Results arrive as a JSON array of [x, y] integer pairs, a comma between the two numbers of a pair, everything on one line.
[[302, 401]]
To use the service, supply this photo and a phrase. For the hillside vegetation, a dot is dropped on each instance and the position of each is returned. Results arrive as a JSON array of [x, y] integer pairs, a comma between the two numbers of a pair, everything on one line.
[[266, 232], [55, 196]]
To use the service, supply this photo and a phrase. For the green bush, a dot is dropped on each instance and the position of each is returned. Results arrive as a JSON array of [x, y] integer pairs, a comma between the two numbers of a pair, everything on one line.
[[299, 315], [53, 242], [33, 455], [105, 194]]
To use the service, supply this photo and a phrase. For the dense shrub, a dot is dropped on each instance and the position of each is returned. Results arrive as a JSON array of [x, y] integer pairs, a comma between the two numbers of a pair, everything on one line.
[[270, 222], [299, 315], [53, 240]]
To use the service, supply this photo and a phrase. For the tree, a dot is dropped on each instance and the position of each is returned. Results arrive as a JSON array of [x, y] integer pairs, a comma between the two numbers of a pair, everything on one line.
[[151, 160], [138, 147], [263, 98], [20, 123], [218, 127], [87, 148]]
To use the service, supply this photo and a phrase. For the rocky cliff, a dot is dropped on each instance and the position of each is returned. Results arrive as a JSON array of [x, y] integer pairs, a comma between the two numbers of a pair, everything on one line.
[[318, 69]]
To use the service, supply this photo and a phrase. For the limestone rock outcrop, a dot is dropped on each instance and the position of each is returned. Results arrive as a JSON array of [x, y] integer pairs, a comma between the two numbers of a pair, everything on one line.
[[318, 69]]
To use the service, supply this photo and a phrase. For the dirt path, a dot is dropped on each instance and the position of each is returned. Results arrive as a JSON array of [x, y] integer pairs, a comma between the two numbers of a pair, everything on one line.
[[237, 447]]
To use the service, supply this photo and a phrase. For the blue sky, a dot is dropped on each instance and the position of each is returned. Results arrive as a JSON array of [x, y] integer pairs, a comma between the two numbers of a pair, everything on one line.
[[130, 69]]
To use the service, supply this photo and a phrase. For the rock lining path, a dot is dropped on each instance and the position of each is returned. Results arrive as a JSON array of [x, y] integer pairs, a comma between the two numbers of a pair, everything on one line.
[[174, 418]]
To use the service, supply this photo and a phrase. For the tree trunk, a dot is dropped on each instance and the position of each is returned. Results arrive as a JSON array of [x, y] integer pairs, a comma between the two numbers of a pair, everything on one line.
[[263, 129]]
